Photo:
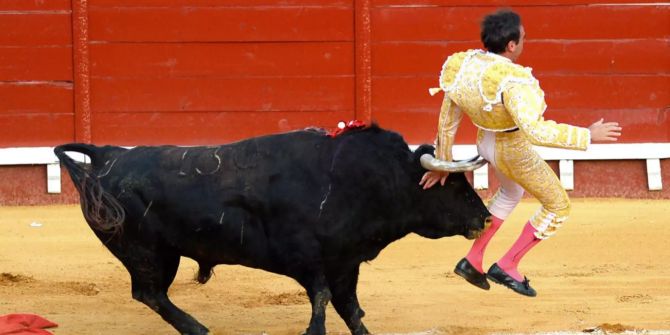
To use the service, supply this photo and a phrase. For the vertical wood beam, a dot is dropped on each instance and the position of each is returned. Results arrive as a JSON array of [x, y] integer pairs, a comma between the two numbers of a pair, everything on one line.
[[566, 171], [53, 178], [82, 85], [480, 178], [363, 57], [654, 175]]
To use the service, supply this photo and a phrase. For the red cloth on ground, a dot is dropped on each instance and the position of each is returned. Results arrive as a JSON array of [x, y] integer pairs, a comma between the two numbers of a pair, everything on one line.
[[24, 324]]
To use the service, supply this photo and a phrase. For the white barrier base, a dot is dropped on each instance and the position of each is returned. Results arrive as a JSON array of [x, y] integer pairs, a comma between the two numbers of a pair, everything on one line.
[[651, 152]]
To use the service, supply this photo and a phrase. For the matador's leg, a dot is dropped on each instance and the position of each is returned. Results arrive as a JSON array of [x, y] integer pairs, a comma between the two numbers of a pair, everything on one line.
[[505, 200], [517, 160]]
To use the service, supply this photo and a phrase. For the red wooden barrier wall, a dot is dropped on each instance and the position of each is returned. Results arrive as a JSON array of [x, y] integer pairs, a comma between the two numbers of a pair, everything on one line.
[[187, 72], [592, 60], [212, 73], [36, 99]]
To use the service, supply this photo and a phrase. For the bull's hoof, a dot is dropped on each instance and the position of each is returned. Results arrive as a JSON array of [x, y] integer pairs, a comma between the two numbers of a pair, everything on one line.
[[469, 273], [360, 330], [497, 275], [314, 331], [197, 330]]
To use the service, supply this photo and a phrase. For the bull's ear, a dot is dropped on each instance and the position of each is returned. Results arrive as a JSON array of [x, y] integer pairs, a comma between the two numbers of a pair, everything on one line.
[[423, 149]]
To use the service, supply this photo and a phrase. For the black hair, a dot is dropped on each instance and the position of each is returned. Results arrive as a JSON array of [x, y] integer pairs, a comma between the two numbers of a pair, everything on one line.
[[499, 28]]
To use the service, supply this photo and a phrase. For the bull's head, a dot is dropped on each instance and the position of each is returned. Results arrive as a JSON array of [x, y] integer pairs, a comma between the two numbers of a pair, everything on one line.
[[452, 209]]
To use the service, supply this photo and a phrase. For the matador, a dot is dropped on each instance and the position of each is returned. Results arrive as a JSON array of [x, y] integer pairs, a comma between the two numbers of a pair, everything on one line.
[[505, 102]]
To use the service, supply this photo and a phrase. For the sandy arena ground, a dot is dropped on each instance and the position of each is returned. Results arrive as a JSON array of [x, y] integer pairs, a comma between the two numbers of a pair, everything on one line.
[[608, 265]]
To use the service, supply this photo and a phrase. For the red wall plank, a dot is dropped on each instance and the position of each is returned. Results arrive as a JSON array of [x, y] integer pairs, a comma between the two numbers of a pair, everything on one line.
[[221, 59], [420, 127], [36, 63], [569, 22], [237, 94], [617, 56], [598, 92], [642, 110], [222, 24], [35, 97], [203, 128], [21, 5], [218, 3], [500, 3], [613, 92], [35, 129], [35, 67], [557, 56], [35, 29], [639, 125], [410, 58]]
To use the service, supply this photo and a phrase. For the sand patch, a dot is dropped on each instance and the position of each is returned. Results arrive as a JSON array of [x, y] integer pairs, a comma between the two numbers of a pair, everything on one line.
[[592, 271], [10, 279], [278, 299]]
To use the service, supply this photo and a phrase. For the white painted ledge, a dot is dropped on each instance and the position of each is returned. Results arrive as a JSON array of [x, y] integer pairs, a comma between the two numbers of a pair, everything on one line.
[[39, 156], [651, 152]]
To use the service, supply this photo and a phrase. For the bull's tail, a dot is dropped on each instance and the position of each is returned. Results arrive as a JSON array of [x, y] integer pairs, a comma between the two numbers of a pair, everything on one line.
[[102, 211]]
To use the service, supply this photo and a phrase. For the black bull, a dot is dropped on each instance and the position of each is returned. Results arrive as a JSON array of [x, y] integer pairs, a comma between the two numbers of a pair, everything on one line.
[[300, 204]]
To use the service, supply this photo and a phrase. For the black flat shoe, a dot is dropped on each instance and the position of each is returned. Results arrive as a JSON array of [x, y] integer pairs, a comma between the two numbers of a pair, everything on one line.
[[498, 276], [474, 277]]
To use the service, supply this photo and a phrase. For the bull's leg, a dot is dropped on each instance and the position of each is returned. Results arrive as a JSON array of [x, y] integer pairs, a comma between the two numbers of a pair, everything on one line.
[[343, 286], [151, 274], [161, 304], [319, 296]]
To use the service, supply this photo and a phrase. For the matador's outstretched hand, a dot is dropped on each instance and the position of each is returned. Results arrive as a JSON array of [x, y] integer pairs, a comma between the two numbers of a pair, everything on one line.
[[606, 132]]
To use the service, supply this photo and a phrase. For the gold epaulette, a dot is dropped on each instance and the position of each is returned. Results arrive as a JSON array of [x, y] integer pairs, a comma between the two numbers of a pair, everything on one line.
[[496, 78], [451, 67]]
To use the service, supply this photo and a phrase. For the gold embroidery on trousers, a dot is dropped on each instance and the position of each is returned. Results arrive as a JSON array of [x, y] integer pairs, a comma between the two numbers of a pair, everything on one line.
[[516, 159]]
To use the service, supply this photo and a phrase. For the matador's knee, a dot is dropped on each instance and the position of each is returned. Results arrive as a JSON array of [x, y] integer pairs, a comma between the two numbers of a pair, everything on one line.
[[549, 218]]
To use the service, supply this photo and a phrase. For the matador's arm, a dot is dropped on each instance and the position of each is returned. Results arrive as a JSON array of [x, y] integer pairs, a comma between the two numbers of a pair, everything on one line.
[[525, 103], [450, 118]]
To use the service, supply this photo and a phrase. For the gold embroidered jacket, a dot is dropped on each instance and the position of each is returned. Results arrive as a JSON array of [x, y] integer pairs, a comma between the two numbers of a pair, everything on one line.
[[497, 95]]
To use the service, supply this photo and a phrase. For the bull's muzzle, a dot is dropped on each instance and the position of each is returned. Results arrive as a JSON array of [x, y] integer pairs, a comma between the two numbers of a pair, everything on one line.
[[476, 233]]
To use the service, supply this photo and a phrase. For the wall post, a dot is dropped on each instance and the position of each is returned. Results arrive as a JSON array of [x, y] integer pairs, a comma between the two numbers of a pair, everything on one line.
[[363, 59], [82, 85]]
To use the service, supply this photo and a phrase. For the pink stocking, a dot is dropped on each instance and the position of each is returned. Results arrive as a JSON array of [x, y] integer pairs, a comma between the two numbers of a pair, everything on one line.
[[476, 254], [523, 244]]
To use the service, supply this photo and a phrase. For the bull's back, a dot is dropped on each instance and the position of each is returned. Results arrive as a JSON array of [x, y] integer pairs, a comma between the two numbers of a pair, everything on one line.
[[227, 202], [250, 168]]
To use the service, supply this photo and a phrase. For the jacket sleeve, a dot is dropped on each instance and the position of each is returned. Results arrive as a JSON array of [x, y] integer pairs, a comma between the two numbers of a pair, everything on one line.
[[450, 118], [525, 103]]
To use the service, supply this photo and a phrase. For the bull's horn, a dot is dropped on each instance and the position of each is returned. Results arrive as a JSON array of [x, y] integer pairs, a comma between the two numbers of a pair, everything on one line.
[[431, 163]]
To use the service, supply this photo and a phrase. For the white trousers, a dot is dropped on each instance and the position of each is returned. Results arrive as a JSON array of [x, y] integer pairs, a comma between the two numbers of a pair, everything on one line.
[[510, 193]]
